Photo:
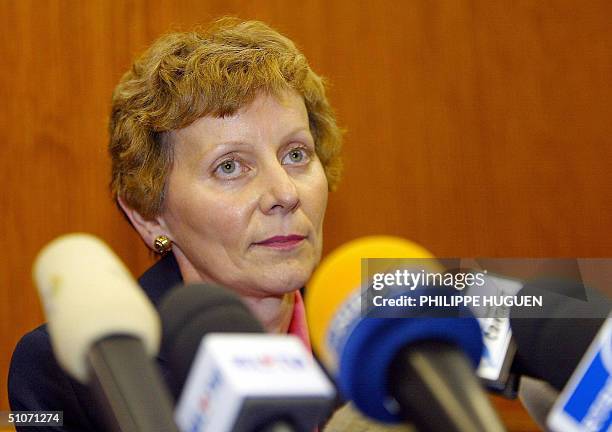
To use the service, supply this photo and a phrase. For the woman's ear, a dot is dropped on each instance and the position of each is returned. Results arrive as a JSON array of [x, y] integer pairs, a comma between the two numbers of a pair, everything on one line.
[[149, 229]]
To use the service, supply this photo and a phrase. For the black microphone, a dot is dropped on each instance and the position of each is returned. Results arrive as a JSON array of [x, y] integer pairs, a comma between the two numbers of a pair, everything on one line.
[[188, 313], [230, 375], [552, 339], [104, 332]]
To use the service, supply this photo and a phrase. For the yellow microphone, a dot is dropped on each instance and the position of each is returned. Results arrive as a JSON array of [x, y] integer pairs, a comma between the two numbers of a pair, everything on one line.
[[418, 368], [338, 279]]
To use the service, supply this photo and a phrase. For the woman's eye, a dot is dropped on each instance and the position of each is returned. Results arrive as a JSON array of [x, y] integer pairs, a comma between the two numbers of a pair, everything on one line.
[[229, 169], [296, 156]]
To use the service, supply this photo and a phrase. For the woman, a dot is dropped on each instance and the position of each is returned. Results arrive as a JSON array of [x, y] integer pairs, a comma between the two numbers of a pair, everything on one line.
[[223, 148], [220, 144]]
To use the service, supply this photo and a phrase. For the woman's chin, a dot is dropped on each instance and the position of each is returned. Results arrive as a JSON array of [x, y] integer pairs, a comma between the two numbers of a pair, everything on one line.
[[280, 284], [280, 278]]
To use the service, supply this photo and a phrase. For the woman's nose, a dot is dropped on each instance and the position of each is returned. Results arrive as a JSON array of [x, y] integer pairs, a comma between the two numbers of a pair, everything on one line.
[[279, 192]]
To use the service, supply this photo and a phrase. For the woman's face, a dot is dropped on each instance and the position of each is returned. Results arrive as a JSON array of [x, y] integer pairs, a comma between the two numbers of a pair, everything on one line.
[[246, 197]]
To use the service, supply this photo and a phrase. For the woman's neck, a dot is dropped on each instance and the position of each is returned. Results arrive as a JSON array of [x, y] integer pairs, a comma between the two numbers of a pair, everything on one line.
[[274, 313]]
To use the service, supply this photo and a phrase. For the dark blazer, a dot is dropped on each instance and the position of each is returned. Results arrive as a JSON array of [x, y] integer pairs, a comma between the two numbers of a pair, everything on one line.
[[37, 382]]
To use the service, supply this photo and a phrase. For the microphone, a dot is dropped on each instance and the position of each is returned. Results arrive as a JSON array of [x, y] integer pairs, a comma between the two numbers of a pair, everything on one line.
[[104, 331], [424, 364], [557, 333], [567, 343], [232, 377], [524, 338], [545, 342], [586, 401]]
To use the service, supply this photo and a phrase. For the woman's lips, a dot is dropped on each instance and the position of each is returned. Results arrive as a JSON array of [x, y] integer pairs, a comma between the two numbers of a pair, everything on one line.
[[282, 242]]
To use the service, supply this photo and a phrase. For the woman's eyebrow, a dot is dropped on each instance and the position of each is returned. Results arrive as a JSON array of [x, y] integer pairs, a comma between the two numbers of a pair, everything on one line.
[[296, 131], [231, 143], [239, 143], [213, 150], [220, 146]]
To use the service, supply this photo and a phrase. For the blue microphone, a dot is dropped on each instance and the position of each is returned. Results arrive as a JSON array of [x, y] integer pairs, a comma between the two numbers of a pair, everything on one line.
[[418, 367]]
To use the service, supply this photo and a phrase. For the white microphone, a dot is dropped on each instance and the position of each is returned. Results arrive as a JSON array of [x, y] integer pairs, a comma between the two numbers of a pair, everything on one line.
[[237, 378], [499, 346], [232, 377], [104, 331]]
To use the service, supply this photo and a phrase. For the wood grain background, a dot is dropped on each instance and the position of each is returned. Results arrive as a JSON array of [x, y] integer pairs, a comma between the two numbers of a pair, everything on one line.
[[476, 128]]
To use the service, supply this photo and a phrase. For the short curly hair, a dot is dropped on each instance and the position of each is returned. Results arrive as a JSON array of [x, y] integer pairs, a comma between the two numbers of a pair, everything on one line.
[[216, 71]]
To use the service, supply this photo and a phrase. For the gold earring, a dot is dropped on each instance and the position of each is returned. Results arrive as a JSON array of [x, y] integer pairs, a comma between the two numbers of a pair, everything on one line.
[[162, 244]]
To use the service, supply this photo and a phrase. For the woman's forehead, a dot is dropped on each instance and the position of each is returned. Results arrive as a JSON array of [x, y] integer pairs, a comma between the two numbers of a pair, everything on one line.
[[267, 117]]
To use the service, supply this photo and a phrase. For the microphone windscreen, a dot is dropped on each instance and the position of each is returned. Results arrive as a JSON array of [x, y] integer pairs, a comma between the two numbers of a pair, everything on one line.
[[338, 277], [552, 340], [191, 312], [88, 294], [346, 337]]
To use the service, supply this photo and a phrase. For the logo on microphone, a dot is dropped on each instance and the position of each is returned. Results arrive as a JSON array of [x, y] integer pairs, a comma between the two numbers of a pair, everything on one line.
[[269, 363], [200, 417]]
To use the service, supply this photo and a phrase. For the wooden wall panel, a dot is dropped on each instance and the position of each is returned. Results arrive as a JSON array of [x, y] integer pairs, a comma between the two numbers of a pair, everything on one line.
[[476, 128]]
